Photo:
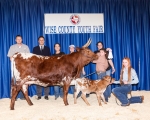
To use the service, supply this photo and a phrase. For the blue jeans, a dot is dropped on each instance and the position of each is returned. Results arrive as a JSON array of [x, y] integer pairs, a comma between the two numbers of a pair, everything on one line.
[[101, 75], [121, 93], [135, 99], [58, 91], [107, 92]]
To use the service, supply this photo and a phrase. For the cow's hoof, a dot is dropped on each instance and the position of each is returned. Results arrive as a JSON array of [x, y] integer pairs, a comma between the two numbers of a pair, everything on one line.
[[11, 108], [66, 104], [31, 104]]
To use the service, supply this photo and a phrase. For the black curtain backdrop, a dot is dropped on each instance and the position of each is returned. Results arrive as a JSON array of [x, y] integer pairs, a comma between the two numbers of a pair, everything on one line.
[[127, 32]]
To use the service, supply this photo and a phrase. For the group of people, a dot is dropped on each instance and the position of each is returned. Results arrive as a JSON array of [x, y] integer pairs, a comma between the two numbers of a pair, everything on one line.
[[104, 66]]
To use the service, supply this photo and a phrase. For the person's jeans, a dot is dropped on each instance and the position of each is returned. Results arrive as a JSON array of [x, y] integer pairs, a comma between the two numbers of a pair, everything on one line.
[[107, 92], [136, 99], [101, 75], [121, 93], [58, 91], [72, 88], [39, 90], [108, 72]]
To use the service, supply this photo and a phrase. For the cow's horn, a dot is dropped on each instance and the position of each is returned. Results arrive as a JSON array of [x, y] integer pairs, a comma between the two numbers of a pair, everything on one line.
[[88, 43]]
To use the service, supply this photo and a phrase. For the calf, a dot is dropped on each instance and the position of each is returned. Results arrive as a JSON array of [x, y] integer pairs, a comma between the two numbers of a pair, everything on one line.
[[87, 86]]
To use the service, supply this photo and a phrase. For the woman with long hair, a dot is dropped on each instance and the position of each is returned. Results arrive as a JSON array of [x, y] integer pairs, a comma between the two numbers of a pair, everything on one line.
[[128, 77]]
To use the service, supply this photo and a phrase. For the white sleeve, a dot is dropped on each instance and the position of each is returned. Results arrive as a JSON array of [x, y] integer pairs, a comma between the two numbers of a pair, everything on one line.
[[134, 77], [10, 52], [110, 55], [28, 50]]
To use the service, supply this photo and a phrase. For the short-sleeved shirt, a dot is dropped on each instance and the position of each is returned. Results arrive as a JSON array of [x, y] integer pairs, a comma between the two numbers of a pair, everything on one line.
[[109, 67], [16, 48]]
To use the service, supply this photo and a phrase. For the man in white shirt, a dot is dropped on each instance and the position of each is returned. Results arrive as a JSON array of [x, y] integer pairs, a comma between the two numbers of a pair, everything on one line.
[[18, 47]]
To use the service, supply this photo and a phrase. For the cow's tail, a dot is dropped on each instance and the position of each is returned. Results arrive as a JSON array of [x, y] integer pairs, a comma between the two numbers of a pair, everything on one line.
[[12, 77], [12, 72]]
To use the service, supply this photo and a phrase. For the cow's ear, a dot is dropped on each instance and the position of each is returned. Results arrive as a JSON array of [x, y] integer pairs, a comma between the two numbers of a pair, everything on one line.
[[78, 49]]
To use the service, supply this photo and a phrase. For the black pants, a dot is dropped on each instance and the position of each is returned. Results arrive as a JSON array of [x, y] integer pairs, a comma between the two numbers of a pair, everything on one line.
[[39, 91]]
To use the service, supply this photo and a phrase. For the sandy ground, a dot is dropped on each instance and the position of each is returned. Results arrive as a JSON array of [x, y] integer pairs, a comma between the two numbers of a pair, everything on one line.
[[56, 110]]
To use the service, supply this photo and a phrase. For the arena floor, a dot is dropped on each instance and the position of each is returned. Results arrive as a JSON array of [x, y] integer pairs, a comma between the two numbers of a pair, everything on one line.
[[56, 110]]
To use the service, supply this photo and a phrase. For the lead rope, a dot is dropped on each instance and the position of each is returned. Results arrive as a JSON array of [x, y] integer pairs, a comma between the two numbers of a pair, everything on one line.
[[89, 74]]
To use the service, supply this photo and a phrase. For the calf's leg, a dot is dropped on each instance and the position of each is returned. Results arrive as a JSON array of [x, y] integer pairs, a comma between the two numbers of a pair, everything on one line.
[[103, 98], [75, 95], [98, 98], [83, 96]]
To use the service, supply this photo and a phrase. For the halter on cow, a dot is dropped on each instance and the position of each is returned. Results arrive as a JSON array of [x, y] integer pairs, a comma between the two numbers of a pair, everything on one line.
[[45, 71]]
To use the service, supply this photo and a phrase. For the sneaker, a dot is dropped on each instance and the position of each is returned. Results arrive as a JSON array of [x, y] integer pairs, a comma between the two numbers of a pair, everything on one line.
[[124, 105], [142, 99], [56, 98], [46, 97], [39, 97]]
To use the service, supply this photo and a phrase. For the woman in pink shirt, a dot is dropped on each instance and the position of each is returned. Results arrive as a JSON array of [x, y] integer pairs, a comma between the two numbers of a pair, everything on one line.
[[101, 63]]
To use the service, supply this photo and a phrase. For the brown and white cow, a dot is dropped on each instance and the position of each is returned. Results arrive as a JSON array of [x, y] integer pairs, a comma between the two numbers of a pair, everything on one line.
[[30, 69]]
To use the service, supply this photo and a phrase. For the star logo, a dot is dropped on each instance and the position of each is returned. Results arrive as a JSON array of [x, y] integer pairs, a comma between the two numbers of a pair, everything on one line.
[[75, 19]]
